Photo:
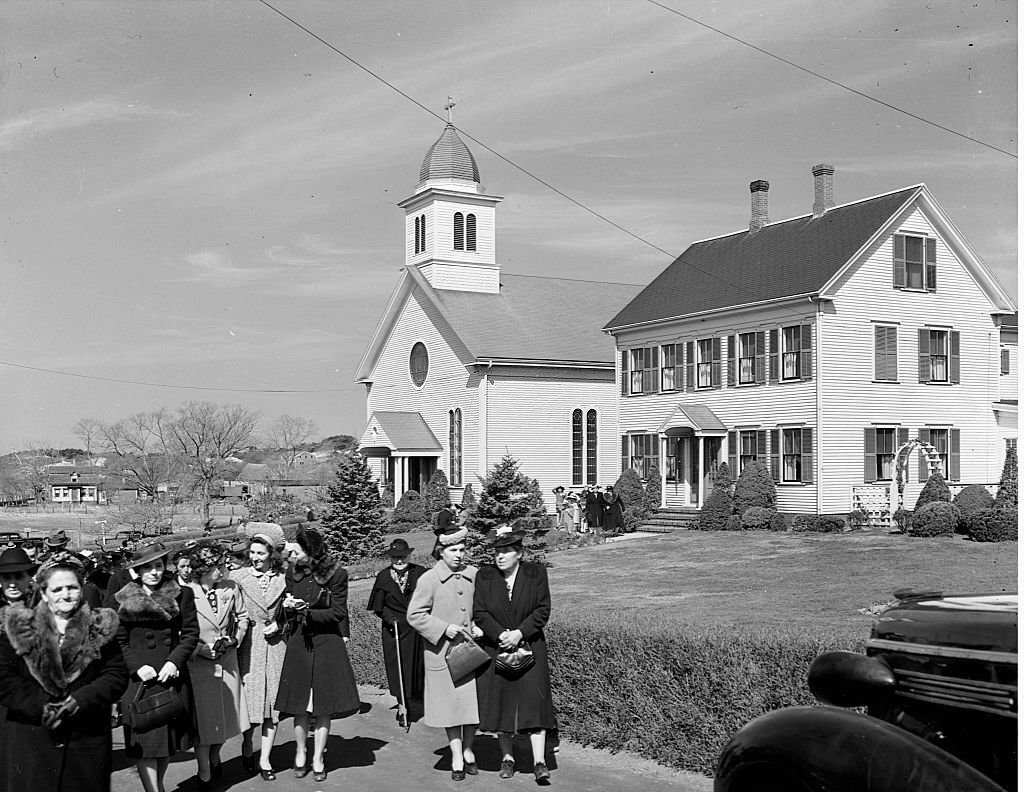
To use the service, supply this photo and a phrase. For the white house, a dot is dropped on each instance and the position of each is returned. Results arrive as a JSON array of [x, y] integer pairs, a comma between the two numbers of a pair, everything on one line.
[[469, 363], [819, 345]]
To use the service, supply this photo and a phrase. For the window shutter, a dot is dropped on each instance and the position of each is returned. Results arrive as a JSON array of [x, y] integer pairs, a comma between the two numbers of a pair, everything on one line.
[[924, 436], [924, 361], [773, 463], [954, 356], [458, 231], [881, 369], [471, 232], [690, 366], [899, 264], [624, 373], [759, 373], [625, 453], [716, 362], [731, 364], [806, 356], [734, 467], [773, 355], [762, 446], [869, 455], [954, 455], [929, 265], [807, 456], [1004, 361], [680, 368]]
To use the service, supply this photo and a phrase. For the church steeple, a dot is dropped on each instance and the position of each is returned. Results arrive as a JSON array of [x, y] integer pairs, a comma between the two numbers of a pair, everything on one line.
[[449, 220]]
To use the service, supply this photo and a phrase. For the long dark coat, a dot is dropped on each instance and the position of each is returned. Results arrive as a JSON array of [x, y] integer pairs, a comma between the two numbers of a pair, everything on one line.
[[518, 702], [316, 658], [34, 670], [612, 511], [391, 604], [595, 509], [154, 629]]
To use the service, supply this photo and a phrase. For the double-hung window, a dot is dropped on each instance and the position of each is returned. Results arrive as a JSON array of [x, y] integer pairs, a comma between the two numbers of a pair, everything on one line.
[[643, 370], [913, 262], [791, 352], [880, 446], [790, 357], [641, 452], [707, 359], [746, 446], [938, 355], [746, 358], [946, 442], [672, 367], [792, 455]]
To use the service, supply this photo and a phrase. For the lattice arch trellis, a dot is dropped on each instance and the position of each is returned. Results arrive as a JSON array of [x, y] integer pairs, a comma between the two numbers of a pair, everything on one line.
[[901, 464]]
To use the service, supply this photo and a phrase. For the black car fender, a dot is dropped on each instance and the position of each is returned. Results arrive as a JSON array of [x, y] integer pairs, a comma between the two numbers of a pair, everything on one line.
[[826, 749]]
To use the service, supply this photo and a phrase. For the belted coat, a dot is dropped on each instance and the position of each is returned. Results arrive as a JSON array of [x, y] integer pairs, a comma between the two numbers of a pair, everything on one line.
[[261, 658]]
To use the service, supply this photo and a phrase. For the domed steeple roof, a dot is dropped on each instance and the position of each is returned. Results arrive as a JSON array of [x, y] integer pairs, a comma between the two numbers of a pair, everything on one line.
[[449, 158]]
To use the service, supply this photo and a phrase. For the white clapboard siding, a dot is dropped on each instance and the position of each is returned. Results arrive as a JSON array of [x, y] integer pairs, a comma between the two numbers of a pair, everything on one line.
[[462, 277], [428, 211], [448, 385], [852, 401], [531, 419], [442, 245]]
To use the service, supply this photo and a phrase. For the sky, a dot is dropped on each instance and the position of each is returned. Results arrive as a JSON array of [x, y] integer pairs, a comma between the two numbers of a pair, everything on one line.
[[200, 196]]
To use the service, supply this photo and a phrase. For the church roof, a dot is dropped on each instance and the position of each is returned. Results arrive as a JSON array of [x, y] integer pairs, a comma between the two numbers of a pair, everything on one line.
[[449, 158], [536, 319], [783, 259]]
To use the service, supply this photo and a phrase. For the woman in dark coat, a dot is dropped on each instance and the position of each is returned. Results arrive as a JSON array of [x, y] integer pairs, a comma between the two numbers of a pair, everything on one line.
[[60, 672], [511, 604], [159, 632], [612, 502], [389, 599], [317, 676], [594, 509]]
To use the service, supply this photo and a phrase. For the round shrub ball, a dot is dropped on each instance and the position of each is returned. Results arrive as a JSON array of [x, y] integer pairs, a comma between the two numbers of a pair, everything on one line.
[[934, 519], [757, 518], [972, 498], [992, 525]]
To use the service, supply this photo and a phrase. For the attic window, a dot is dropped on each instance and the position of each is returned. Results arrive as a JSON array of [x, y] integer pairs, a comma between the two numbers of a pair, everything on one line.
[[418, 364], [913, 262]]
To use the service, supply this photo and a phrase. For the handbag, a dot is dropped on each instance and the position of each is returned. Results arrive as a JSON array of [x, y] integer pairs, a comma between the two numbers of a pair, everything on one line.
[[514, 662], [148, 711], [464, 658]]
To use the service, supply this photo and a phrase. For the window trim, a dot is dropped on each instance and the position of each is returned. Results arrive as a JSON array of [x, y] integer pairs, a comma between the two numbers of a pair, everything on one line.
[[929, 267]]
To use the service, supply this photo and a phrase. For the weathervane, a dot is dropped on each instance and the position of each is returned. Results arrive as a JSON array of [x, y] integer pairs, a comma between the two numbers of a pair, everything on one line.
[[448, 107]]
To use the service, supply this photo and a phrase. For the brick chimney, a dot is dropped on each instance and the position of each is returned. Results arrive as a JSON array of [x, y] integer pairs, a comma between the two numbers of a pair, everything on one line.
[[758, 204], [824, 198]]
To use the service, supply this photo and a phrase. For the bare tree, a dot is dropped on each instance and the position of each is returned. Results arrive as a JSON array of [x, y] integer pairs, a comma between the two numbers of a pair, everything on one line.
[[205, 435], [286, 436], [88, 430], [143, 445]]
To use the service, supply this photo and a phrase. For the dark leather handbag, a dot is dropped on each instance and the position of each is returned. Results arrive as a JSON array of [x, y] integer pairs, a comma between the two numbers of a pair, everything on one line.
[[464, 658], [514, 662], [154, 706]]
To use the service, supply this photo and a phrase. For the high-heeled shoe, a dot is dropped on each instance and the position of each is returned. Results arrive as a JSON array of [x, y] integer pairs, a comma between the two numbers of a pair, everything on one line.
[[301, 772], [268, 775], [320, 775]]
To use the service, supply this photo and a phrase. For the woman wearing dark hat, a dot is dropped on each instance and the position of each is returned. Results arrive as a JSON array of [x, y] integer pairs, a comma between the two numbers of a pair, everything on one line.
[[441, 611], [612, 503], [159, 631], [511, 605], [317, 676], [220, 711], [389, 599], [16, 570], [594, 509], [61, 670]]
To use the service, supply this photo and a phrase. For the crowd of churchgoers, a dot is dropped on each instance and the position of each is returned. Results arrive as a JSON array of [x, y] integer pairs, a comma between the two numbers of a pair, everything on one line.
[[185, 649], [591, 510]]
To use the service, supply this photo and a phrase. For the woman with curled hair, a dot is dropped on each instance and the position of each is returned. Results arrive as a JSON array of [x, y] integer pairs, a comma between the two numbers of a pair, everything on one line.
[[317, 677], [61, 670], [158, 632], [220, 711], [261, 654]]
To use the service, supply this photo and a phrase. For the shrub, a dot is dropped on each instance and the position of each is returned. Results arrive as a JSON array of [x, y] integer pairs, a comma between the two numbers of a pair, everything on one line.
[[715, 512], [991, 525], [468, 499], [901, 519], [777, 523], [721, 476], [508, 497], [1006, 495], [937, 518], [972, 498], [436, 496], [754, 487], [630, 487], [410, 514], [858, 519], [935, 489], [757, 518], [734, 523], [819, 523], [352, 517], [652, 493]]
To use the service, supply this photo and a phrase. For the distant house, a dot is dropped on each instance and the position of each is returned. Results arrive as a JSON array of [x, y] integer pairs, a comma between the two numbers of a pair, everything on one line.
[[468, 364], [818, 346], [76, 487]]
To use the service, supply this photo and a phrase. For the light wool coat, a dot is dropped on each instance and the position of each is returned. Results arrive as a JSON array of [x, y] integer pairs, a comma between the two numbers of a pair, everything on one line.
[[443, 597], [260, 659]]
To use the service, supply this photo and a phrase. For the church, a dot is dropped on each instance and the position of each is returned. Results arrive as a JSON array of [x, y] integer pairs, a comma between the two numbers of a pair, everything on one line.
[[468, 364]]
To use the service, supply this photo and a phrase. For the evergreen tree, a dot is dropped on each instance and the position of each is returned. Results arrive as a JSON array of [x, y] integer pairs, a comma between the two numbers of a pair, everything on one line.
[[754, 487], [935, 489], [630, 488], [468, 500], [508, 497], [436, 496], [352, 517], [652, 493], [1006, 495], [410, 514]]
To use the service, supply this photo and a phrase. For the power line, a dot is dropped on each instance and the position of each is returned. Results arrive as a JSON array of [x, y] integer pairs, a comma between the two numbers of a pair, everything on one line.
[[98, 378], [829, 80]]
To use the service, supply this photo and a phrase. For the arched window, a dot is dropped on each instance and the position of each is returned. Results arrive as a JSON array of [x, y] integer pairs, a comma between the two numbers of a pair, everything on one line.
[[455, 447], [458, 231], [471, 232], [577, 447], [592, 447]]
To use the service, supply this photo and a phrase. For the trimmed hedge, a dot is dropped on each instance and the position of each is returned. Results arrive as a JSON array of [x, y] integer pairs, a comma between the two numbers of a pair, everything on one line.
[[937, 518], [935, 490], [972, 498], [734, 523], [715, 512], [991, 525], [758, 518], [754, 487], [819, 523], [410, 514]]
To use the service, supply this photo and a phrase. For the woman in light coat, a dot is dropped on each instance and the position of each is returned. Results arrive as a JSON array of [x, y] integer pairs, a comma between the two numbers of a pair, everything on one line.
[[441, 611]]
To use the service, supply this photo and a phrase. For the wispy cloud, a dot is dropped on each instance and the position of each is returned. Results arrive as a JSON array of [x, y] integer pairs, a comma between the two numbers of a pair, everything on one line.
[[23, 130]]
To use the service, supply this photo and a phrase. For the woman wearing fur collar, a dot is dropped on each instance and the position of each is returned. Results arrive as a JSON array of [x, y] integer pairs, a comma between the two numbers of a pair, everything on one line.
[[317, 676], [60, 672], [159, 632]]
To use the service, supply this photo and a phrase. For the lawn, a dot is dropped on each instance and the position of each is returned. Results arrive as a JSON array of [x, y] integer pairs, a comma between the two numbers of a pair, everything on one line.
[[755, 579]]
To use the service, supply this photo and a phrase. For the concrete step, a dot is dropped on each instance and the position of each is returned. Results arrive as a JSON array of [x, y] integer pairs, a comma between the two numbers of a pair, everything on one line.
[[670, 519]]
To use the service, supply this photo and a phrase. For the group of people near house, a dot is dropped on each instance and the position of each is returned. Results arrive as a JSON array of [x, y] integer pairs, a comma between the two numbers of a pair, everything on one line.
[[591, 510], [192, 648]]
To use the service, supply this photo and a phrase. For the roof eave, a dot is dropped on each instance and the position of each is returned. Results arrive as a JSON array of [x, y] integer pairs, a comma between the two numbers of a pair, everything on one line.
[[815, 295], [487, 362]]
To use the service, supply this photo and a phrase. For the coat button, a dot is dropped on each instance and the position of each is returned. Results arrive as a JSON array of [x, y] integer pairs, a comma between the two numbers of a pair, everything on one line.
[[149, 635]]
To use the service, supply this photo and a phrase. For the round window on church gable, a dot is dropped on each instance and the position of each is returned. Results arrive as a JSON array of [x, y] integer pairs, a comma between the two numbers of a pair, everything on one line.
[[418, 364]]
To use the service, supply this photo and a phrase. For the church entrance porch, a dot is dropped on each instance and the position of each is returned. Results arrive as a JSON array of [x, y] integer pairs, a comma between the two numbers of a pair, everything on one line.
[[401, 451]]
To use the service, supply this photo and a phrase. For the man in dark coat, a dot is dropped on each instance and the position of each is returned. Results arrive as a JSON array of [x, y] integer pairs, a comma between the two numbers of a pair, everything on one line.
[[389, 599], [595, 509]]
